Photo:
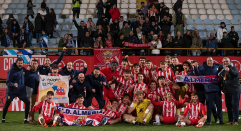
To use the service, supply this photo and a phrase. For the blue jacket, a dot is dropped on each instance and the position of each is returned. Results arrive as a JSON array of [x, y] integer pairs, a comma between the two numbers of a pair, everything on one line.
[[16, 76], [32, 78], [96, 83], [212, 43], [78, 88], [198, 86], [43, 70], [207, 70], [73, 74]]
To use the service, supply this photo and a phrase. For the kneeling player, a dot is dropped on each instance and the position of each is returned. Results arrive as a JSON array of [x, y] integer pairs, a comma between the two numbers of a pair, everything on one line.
[[144, 110], [48, 108], [196, 111], [111, 113]]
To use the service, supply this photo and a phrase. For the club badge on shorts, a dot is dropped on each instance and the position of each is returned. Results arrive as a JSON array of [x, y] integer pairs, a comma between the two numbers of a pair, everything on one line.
[[8, 97]]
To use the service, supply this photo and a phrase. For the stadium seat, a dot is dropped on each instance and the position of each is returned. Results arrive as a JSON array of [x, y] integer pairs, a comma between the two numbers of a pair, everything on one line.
[[82, 11], [66, 12], [239, 6], [184, 6], [216, 27], [200, 6], [68, 21], [20, 6], [68, 6], [195, 17], [191, 1], [237, 28], [69, 1], [15, 1], [190, 27], [132, 6], [8, 1], [232, 7], [9, 11], [4, 6], [228, 27], [218, 11], [132, 1], [203, 17], [83, 6], [216, 22], [23, 1], [172, 34], [52, 41], [234, 21], [192, 6], [194, 11], [17, 11], [198, 21], [200, 28], [209, 27], [124, 11], [202, 11], [210, 11], [62, 1], [12, 6], [92, 6], [124, 6], [185, 11], [73, 28], [85, 1], [172, 28], [52, 6], [226, 21], [37, 6], [132, 11], [230, 2], [206, 1], [237, 2], [222, 1], [38, 1], [216, 6], [198, 1], [237, 17], [57, 11], [58, 28], [85, 19], [226, 12], [203, 35], [190, 21], [1, 1], [55, 34], [207, 22], [95, 20], [235, 12], [93, 1], [166, 1], [224, 6], [214, 2], [229, 17], [208, 6]]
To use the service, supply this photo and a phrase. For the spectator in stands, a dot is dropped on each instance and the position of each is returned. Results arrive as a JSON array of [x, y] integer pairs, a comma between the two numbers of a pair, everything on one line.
[[162, 9], [138, 35], [229, 75], [143, 9], [121, 22], [115, 13], [196, 43], [100, 32], [98, 42], [82, 29], [187, 39], [39, 26], [76, 7], [43, 42], [22, 39], [10, 21], [212, 42], [146, 26], [220, 31], [15, 29], [179, 21], [42, 12], [234, 39], [115, 27], [49, 22], [30, 8], [166, 13], [161, 37], [135, 24], [107, 9], [5, 39], [109, 42], [131, 38], [226, 43], [87, 41], [63, 42], [28, 26], [70, 43], [52, 12], [1, 27], [103, 21], [178, 5], [178, 43], [156, 43], [126, 30], [150, 36], [100, 7], [168, 44], [110, 32], [165, 25], [120, 41], [44, 5], [153, 13], [91, 26], [154, 27]]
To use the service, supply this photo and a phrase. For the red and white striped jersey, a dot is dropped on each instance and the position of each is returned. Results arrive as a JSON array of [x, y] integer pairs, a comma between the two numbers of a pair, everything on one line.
[[134, 77], [146, 72], [162, 91], [121, 71], [168, 74], [122, 86], [189, 86], [153, 93], [56, 75], [123, 108], [139, 87], [75, 105], [110, 114], [47, 109], [195, 111]]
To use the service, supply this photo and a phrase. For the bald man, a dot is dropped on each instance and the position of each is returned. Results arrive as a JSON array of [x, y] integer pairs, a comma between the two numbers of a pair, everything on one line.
[[81, 86]]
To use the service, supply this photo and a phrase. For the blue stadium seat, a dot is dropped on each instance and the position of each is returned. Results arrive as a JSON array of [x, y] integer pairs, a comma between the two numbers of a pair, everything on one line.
[[172, 34], [237, 17], [200, 27], [24, 12], [66, 28], [232, 6], [63, 33], [55, 34], [37, 1], [78, 20], [17, 11], [73, 28], [198, 21], [58, 11], [237, 28], [52, 6], [234, 21], [52, 41], [235, 12], [23, 1], [95, 20], [74, 32], [34, 42], [68, 21], [216, 27], [58, 28], [237, 1], [226, 21], [60, 6], [60, 21], [228, 27], [190, 27], [54, 1], [9, 11], [209, 27], [203, 35], [207, 22], [12, 6], [230, 2], [85, 20], [20, 6], [14, 1], [239, 6], [62, 1], [216, 21], [172, 28], [190, 21]]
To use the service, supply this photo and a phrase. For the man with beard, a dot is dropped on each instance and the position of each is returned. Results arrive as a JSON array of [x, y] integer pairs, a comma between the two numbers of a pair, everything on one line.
[[97, 81], [45, 69], [124, 66], [164, 71], [80, 87], [16, 88], [176, 66], [110, 72]]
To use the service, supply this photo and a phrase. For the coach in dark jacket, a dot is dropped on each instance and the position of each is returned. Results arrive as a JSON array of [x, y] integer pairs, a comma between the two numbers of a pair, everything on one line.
[[178, 43], [229, 76], [80, 86], [49, 24], [212, 90], [235, 38], [97, 82]]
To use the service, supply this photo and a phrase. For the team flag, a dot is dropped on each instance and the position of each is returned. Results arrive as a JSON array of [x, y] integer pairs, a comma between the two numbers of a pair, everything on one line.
[[197, 79], [26, 54]]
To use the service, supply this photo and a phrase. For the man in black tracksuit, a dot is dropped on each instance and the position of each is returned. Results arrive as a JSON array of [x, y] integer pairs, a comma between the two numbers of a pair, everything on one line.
[[234, 39], [229, 76]]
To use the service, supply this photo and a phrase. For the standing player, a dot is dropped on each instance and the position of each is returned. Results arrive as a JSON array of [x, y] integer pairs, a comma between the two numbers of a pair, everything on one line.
[[48, 108], [169, 107], [196, 111], [168, 60], [124, 66], [144, 110], [165, 71], [142, 63], [16, 88], [110, 72], [136, 67], [147, 72]]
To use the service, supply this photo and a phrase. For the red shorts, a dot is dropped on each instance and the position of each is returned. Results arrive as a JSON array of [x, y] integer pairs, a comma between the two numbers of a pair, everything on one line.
[[48, 120], [169, 120], [194, 121]]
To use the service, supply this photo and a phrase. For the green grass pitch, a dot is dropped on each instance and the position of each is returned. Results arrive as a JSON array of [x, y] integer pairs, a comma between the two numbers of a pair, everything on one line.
[[14, 122]]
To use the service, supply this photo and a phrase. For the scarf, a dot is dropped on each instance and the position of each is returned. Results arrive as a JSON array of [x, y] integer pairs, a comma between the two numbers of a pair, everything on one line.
[[225, 37], [27, 31], [8, 40]]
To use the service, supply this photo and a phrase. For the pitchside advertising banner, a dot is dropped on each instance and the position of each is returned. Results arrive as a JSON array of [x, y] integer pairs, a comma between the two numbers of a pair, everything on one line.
[[78, 63]]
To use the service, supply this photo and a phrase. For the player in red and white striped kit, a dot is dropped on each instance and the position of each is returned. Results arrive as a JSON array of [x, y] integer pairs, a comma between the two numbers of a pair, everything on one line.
[[111, 113], [79, 104], [196, 111], [153, 93], [166, 86], [148, 72], [140, 86], [165, 71], [123, 67], [124, 104], [135, 72], [169, 107], [48, 108]]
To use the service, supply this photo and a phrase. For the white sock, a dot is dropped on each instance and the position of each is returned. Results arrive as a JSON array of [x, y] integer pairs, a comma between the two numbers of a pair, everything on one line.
[[144, 120], [39, 119], [183, 123], [157, 118], [133, 121], [3, 119], [179, 118], [55, 119], [25, 119], [201, 123], [126, 120]]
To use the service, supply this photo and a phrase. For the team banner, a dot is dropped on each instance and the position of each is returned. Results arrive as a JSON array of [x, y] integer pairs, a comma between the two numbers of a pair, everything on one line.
[[58, 84], [101, 56], [128, 44], [197, 79], [80, 117], [26, 54]]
